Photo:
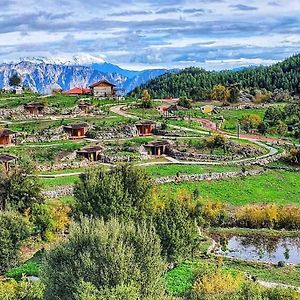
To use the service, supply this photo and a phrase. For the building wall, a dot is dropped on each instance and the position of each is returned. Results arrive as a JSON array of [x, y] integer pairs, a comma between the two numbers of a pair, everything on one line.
[[5, 140], [102, 91]]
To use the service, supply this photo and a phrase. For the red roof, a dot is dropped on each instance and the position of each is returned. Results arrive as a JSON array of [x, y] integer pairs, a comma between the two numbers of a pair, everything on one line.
[[78, 91], [101, 81]]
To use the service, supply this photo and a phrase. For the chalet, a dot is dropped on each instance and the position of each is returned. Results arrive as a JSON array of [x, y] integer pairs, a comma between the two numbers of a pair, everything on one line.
[[91, 153], [103, 89], [145, 128], [6, 137], [35, 108], [157, 148], [7, 161], [76, 131], [84, 106], [78, 91]]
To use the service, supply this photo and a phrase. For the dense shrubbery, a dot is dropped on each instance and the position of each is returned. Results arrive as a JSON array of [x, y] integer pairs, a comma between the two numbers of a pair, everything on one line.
[[15, 290], [269, 216], [19, 188], [13, 231], [128, 193], [112, 260]]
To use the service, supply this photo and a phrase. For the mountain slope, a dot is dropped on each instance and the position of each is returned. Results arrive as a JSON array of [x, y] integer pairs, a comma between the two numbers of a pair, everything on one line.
[[41, 76], [195, 82]]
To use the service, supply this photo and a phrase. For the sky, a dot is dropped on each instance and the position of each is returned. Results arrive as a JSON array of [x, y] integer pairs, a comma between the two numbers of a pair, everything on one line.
[[214, 34]]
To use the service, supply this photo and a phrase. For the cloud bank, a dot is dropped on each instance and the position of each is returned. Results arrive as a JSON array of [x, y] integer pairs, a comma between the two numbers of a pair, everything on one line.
[[214, 34]]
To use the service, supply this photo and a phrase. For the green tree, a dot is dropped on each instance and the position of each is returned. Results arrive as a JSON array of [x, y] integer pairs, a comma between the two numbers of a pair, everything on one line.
[[14, 80], [177, 231], [112, 260], [123, 191], [20, 188], [184, 102], [13, 231], [273, 115]]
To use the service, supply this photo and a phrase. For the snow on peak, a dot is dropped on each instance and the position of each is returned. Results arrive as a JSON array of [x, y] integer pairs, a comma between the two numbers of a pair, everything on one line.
[[78, 59]]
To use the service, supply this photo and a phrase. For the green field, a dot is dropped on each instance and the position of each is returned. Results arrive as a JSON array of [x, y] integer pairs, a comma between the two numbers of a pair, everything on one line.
[[280, 187], [51, 183], [173, 169], [180, 279], [45, 152]]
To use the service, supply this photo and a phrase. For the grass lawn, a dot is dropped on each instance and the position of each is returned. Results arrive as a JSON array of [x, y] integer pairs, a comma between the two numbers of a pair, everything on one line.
[[233, 116], [173, 169], [181, 278], [38, 125], [45, 153], [280, 187], [51, 183]]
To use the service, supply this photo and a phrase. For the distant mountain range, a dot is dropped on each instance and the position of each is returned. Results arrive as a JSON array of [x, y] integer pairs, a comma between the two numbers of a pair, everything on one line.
[[44, 74]]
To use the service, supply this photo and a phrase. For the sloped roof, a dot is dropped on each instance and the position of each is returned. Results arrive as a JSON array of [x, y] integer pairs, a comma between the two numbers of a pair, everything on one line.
[[102, 81], [7, 157], [76, 126], [6, 132], [77, 91], [91, 149], [157, 144]]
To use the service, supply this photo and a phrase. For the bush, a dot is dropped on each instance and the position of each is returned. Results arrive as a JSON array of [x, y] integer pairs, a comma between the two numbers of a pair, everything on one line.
[[269, 216], [13, 290], [123, 191], [13, 231], [50, 218], [113, 260]]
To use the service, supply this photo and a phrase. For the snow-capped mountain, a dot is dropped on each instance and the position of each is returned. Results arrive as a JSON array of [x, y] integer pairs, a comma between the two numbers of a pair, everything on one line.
[[44, 74]]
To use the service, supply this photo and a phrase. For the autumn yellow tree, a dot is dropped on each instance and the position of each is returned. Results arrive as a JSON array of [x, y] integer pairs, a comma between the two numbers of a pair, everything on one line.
[[220, 93], [146, 99]]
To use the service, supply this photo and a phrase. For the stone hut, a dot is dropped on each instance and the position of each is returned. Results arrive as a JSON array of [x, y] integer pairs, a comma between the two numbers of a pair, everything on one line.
[[7, 161], [35, 108], [91, 153], [6, 137], [76, 131], [157, 148], [145, 128], [85, 106]]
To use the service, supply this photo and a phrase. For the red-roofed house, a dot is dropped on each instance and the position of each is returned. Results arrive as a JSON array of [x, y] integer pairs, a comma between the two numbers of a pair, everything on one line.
[[103, 89], [78, 91]]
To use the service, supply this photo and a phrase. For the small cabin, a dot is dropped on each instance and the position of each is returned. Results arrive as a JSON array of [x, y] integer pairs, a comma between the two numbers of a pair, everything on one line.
[[91, 153], [76, 131], [85, 106], [34, 109], [103, 89], [145, 128], [7, 161], [157, 148], [6, 137]]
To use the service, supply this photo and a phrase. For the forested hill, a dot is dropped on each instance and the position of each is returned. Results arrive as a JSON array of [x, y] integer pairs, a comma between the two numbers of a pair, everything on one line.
[[196, 83]]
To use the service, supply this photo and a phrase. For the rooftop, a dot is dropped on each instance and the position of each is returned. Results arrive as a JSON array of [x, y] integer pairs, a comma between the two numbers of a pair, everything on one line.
[[7, 157]]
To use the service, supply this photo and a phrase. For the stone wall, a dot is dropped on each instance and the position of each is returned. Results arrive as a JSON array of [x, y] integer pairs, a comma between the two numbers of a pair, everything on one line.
[[207, 176], [59, 192]]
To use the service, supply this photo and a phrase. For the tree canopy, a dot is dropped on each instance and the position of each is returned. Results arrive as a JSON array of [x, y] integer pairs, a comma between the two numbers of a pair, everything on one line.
[[197, 83]]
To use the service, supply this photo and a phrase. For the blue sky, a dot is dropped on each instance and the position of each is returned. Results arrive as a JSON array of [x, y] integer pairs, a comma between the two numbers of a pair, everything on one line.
[[214, 34]]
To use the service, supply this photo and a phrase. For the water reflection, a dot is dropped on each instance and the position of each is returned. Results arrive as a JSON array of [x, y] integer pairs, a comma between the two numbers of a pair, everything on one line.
[[258, 248]]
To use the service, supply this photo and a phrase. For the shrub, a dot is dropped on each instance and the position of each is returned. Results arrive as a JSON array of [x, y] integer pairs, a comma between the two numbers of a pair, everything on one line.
[[13, 290], [113, 260], [13, 231]]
